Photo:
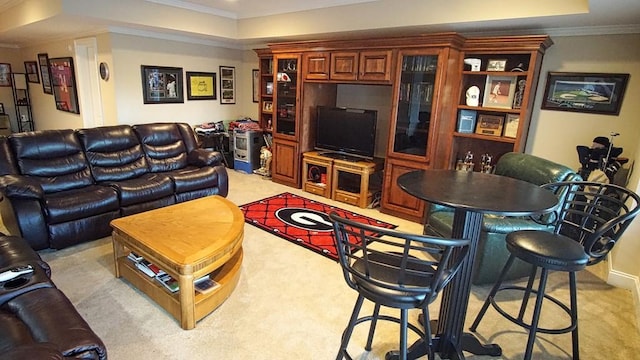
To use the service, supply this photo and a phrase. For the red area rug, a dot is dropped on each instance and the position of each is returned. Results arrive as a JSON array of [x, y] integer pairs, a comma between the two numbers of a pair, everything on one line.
[[302, 221]]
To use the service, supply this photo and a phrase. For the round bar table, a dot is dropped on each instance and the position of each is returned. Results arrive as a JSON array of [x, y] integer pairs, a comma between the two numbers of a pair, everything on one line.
[[471, 194]]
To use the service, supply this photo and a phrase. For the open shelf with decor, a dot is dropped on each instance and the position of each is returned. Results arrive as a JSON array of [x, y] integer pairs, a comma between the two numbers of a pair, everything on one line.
[[495, 98]]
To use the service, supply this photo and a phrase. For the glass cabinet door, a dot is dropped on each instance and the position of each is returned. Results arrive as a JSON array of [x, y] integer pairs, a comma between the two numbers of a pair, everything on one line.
[[416, 87], [286, 91]]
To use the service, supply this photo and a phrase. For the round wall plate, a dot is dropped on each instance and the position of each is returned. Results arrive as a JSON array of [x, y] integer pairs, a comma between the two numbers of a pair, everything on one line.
[[104, 71]]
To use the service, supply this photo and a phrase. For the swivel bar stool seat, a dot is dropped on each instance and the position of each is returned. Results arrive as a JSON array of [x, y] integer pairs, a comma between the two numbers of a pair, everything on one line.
[[396, 270], [589, 219]]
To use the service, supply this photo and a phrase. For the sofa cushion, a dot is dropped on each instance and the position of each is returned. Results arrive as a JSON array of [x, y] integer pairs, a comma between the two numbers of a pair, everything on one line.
[[80, 203], [147, 187], [54, 158], [192, 178], [163, 145], [114, 153]]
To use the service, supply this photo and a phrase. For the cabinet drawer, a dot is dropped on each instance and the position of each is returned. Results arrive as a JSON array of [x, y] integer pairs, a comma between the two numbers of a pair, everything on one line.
[[346, 197], [316, 189]]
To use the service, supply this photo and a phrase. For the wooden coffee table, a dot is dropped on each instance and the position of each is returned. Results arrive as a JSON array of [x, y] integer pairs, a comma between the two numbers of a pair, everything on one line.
[[187, 241]]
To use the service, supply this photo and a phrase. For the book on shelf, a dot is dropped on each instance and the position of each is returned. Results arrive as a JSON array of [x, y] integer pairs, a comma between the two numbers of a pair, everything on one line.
[[149, 269], [205, 284], [168, 282], [134, 257]]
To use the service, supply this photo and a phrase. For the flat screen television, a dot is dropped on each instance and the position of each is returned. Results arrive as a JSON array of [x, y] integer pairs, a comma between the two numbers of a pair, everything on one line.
[[346, 131]]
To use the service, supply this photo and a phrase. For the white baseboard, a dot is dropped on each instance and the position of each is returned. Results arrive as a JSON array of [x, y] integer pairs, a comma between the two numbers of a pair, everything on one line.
[[626, 281]]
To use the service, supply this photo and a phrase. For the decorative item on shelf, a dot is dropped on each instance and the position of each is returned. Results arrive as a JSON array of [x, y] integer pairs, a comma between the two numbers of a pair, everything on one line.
[[473, 96], [511, 126], [489, 125], [519, 68], [255, 80], [496, 64], [267, 106], [519, 94], [474, 63], [282, 76], [467, 121], [486, 166], [499, 91], [265, 162], [269, 88], [466, 164]]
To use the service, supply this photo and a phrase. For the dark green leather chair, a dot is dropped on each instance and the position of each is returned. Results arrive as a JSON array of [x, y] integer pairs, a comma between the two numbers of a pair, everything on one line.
[[492, 253]]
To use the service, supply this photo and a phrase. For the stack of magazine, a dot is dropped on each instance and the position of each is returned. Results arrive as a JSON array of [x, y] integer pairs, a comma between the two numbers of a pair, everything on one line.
[[203, 285]]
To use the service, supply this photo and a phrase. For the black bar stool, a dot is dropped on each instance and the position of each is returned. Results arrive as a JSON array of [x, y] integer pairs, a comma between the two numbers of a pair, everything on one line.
[[589, 219], [396, 270]]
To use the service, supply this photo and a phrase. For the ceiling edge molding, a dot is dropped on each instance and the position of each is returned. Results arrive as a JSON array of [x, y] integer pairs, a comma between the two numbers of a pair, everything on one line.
[[232, 44], [195, 7], [574, 31]]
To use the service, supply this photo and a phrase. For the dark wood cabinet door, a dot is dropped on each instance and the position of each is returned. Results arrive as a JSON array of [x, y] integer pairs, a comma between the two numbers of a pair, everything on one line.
[[396, 201], [286, 162], [375, 65], [344, 65], [316, 65]]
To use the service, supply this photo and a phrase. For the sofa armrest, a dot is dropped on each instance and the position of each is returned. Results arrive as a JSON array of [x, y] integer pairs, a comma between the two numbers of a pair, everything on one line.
[[16, 186], [203, 157], [52, 318]]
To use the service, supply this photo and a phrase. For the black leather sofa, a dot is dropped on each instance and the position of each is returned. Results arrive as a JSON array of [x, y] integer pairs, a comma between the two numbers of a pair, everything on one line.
[[37, 321], [63, 187]]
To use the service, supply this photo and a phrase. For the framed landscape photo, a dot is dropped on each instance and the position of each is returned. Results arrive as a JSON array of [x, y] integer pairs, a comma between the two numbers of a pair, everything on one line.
[[227, 85], [5, 74], [31, 68], [45, 75], [596, 93], [201, 85], [63, 82], [161, 84], [499, 91]]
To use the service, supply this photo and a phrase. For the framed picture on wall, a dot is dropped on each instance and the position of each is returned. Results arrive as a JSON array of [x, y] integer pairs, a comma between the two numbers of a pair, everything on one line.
[[585, 92], [201, 85], [227, 85], [45, 75], [31, 68], [5, 75], [255, 81], [162, 84], [63, 82]]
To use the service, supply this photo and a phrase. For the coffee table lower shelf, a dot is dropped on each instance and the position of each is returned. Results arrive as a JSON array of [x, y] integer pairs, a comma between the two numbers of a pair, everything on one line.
[[227, 276]]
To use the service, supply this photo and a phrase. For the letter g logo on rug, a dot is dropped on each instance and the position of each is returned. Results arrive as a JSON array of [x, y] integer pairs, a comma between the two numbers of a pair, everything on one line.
[[305, 219]]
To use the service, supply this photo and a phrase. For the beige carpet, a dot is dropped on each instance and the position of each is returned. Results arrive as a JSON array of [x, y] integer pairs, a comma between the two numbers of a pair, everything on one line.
[[291, 303]]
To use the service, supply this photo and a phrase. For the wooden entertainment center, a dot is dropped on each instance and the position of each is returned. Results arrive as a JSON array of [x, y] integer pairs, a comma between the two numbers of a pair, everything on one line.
[[341, 179], [430, 78]]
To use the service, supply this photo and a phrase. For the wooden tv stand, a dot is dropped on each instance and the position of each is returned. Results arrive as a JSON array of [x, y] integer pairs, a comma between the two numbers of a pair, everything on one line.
[[339, 178]]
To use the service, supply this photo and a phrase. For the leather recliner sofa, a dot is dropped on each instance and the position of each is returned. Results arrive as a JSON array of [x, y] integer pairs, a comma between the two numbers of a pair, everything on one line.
[[37, 321], [492, 252], [63, 187]]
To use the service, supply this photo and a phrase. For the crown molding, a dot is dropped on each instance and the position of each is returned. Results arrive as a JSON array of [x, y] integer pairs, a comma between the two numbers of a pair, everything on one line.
[[231, 44]]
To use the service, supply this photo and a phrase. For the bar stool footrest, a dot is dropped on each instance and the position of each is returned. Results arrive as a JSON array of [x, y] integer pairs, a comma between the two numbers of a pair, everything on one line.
[[527, 326]]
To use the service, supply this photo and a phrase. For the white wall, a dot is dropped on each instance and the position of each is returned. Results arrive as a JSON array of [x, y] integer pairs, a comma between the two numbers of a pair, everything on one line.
[[555, 134], [130, 52]]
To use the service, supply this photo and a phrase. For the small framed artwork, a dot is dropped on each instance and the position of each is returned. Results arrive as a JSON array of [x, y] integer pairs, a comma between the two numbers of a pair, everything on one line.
[[5, 75], [267, 106], [496, 64], [1, 109], [269, 88], [255, 77], [595, 93], [489, 125], [162, 84], [31, 68], [63, 82], [511, 126], [45, 75], [227, 85], [499, 91], [201, 85]]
